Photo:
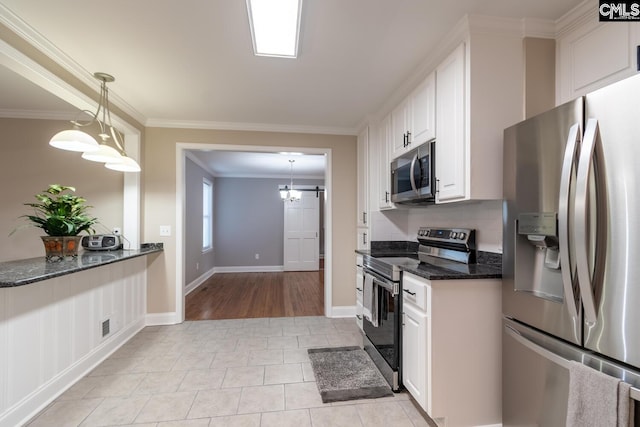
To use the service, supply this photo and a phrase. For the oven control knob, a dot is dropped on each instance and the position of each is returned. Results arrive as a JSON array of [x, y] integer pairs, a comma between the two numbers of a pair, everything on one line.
[[454, 234], [461, 235]]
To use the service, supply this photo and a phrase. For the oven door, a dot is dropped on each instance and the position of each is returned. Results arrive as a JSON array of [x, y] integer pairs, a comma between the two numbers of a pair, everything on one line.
[[385, 338]]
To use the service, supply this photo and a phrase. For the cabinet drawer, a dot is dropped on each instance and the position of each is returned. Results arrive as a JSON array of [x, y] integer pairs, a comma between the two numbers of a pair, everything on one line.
[[415, 291]]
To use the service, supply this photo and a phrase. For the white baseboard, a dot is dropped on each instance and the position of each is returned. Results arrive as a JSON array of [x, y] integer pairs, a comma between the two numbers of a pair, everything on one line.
[[199, 281], [343, 311], [158, 319], [35, 402], [249, 269]]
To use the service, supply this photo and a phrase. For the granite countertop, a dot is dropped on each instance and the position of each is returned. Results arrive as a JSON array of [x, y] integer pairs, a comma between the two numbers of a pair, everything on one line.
[[489, 265], [31, 270]]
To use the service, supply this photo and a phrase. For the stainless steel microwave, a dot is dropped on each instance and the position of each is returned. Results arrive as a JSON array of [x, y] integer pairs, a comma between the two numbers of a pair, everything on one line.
[[413, 176]]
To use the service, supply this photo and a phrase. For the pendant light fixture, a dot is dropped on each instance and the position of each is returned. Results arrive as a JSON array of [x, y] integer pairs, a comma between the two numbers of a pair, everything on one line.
[[114, 157], [288, 193]]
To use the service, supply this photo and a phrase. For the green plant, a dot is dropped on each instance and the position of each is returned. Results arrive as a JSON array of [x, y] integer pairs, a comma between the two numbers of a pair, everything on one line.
[[61, 214]]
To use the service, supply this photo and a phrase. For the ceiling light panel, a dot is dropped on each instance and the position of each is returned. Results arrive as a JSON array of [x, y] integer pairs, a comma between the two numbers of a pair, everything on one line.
[[275, 27]]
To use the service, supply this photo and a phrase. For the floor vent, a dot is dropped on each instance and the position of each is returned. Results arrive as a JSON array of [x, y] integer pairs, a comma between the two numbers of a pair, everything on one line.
[[105, 328]]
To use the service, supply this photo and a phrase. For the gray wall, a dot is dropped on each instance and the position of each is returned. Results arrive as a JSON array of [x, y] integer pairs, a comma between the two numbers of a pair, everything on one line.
[[196, 262], [249, 220]]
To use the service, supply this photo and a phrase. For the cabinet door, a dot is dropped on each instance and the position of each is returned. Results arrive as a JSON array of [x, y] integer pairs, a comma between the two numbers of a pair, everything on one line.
[[362, 177], [384, 165], [363, 238], [423, 114], [359, 292], [399, 137], [451, 153], [595, 54], [414, 353]]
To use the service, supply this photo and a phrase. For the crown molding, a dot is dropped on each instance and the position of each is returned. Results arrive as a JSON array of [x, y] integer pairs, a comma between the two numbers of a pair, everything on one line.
[[255, 127], [538, 28], [23, 30], [579, 15]]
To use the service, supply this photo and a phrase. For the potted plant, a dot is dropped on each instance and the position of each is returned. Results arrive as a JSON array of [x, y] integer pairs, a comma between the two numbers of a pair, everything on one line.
[[63, 216]]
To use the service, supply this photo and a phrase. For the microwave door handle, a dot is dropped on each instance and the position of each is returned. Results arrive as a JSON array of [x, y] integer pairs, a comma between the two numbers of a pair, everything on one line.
[[411, 173], [569, 279]]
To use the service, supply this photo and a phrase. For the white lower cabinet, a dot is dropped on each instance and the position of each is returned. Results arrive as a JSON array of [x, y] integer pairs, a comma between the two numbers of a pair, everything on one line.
[[414, 352], [451, 348], [359, 291]]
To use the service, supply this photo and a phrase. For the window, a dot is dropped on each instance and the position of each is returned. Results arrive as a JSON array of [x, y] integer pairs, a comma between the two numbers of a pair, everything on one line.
[[207, 214]]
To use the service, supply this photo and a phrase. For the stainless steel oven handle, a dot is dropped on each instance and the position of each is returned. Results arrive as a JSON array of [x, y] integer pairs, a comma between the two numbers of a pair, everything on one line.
[[383, 282]]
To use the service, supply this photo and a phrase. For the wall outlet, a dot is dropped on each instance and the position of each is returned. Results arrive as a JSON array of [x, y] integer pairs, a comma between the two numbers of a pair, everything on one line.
[[257, 256], [165, 230], [117, 231]]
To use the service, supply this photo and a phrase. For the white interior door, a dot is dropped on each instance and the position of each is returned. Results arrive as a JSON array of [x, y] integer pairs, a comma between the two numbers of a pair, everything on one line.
[[301, 227]]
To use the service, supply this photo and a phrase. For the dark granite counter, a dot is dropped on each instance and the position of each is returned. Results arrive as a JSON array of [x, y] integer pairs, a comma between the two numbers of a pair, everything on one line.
[[31, 270], [489, 265]]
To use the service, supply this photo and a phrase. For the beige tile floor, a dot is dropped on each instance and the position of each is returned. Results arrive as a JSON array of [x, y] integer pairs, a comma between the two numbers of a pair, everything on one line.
[[231, 373]]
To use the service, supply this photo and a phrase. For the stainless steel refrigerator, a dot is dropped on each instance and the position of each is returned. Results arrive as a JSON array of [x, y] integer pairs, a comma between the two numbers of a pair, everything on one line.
[[571, 251]]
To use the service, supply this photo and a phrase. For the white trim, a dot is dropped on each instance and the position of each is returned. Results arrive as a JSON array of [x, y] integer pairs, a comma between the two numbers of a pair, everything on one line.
[[181, 150], [38, 41], [258, 127], [159, 319], [195, 284], [38, 114], [21, 413], [249, 269], [343, 311], [576, 17]]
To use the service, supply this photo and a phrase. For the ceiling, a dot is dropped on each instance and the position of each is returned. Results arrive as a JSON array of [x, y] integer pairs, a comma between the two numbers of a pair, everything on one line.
[[190, 63]]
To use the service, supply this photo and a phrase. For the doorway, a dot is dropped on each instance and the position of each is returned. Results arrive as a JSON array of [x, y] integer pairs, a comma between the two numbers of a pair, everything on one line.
[[183, 148]]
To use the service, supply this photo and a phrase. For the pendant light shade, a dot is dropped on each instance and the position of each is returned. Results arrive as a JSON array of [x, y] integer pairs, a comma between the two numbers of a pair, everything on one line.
[[104, 154], [127, 164], [74, 140]]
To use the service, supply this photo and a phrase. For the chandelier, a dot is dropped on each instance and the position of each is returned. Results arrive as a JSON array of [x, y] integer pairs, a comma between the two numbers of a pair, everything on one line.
[[288, 193], [114, 157]]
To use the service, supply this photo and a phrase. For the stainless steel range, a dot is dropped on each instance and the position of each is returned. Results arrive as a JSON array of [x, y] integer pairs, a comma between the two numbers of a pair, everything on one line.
[[451, 248]]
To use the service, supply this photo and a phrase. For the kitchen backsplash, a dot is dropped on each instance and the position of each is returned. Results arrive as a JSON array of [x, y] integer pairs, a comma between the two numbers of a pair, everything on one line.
[[402, 224]]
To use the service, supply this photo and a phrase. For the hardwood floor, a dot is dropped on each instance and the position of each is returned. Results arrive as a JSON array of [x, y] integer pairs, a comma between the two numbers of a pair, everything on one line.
[[251, 295]]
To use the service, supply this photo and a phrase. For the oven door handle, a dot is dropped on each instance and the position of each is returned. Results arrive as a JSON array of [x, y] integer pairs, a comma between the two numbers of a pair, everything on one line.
[[383, 283]]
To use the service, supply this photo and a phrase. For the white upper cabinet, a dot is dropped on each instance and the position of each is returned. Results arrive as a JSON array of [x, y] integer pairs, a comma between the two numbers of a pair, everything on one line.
[[363, 177], [479, 94], [413, 120], [423, 116], [451, 164], [384, 165], [592, 54]]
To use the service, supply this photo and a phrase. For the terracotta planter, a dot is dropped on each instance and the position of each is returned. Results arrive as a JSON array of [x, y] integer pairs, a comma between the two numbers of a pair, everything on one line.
[[58, 248]]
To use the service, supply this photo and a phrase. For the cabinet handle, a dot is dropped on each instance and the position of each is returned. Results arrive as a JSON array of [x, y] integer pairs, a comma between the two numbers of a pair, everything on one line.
[[359, 289], [364, 238], [437, 185], [404, 140], [408, 138], [386, 197], [409, 292], [359, 317], [638, 57], [364, 217]]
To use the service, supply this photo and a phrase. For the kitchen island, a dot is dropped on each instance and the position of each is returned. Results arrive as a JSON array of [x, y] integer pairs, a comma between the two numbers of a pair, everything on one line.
[[59, 320]]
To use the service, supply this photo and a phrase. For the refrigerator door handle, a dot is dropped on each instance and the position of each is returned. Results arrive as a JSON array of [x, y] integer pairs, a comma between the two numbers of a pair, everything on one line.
[[569, 279], [581, 216]]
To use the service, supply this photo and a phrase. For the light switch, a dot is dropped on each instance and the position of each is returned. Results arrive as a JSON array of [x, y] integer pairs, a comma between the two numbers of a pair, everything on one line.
[[165, 230]]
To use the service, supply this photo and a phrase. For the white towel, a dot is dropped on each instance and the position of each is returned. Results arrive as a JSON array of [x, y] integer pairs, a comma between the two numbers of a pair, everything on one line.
[[596, 399], [370, 300]]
